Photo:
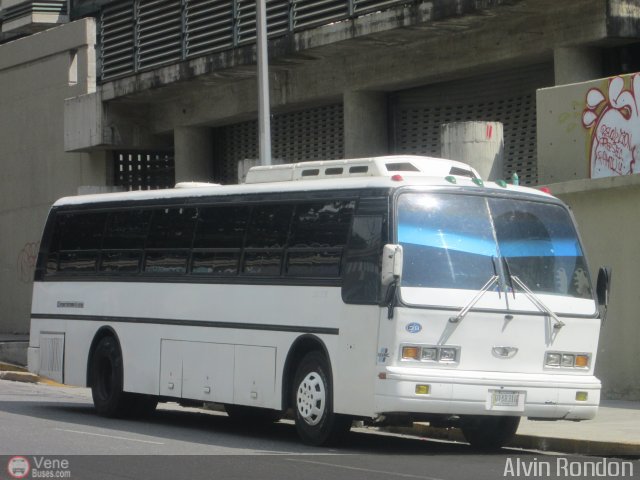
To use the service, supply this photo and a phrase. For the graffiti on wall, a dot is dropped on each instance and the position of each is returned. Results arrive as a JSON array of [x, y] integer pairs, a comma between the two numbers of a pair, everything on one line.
[[27, 261], [612, 118]]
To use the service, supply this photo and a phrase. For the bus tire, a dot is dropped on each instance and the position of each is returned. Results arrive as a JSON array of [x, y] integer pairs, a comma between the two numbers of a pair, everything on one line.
[[489, 433], [107, 371], [316, 422]]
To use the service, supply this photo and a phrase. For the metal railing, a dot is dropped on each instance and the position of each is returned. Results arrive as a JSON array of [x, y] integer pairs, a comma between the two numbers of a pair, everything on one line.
[[143, 34]]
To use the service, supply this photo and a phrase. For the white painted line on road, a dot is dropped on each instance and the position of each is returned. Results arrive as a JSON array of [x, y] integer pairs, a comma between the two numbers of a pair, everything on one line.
[[382, 472], [109, 436]]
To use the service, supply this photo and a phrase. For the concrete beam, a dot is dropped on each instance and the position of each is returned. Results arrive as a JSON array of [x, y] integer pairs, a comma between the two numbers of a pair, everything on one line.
[[423, 57], [69, 36], [623, 19]]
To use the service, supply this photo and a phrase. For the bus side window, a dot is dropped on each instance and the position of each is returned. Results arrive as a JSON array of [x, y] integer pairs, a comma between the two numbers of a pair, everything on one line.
[[123, 242], [318, 235], [47, 263], [266, 239], [361, 271], [218, 242], [169, 240], [80, 241]]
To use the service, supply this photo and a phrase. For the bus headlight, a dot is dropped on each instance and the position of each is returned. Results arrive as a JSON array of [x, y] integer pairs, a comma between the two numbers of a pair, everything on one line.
[[430, 354], [447, 354], [567, 360]]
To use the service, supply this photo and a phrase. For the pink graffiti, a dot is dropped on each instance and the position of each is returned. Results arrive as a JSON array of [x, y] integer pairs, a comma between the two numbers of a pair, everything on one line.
[[27, 261], [614, 124]]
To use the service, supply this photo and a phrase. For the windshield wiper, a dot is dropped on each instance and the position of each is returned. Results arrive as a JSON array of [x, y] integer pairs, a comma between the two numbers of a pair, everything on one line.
[[463, 313], [538, 303]]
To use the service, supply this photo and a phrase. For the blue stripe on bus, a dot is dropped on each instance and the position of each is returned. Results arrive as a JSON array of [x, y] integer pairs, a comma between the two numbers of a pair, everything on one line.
[[557, 247]]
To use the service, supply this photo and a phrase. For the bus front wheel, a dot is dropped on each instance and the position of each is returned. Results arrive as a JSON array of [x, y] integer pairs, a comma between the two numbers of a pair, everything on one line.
[[316, 422], [489, 433]]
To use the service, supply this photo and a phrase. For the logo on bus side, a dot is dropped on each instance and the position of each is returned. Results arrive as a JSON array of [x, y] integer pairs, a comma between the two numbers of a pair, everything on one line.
[[413, 327]]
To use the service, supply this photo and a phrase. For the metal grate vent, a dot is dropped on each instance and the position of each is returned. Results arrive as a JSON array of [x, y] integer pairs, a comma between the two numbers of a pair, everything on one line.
[[52, 356], [418, 114], [116, 40], [367, 6], [208, 26], [144, 170], [310, 13], [142, 34], [277, 19], [313, 134], [158, 32]]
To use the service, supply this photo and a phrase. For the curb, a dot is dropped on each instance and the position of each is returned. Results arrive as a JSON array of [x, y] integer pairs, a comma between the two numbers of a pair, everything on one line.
[[530, 442], [17, 373]]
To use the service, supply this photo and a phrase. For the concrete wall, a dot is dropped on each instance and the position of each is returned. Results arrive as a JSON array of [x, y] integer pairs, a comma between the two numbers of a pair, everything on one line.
[[37, 73], [589, 129], [588, 136], [609, 220]]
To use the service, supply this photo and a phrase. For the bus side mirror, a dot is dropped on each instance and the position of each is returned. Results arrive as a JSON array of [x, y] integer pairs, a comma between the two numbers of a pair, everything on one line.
[[391, 265], [603, 288]]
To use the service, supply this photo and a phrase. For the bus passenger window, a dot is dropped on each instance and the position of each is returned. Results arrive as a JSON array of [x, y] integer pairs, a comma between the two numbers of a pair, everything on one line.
[[318, 235], [266, 239], [81, 238]]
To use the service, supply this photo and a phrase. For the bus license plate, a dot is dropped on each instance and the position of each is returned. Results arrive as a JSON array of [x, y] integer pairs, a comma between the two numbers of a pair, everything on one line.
[[505, 398]]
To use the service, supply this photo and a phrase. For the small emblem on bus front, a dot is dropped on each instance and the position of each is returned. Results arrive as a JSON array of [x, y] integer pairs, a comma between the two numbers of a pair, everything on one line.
[[414, 327]]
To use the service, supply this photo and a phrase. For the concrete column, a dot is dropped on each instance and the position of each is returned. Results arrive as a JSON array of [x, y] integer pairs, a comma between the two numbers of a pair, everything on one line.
[[479, 144], [193, 148], [575, 65], [366, 132]]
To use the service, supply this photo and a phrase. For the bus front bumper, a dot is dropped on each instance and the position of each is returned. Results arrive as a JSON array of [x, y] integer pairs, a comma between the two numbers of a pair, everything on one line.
[[544, 396]]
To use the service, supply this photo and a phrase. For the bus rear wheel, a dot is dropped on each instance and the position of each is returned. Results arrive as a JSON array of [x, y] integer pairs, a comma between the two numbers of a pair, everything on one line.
[[316, 422], [489, 433], [107, 381]]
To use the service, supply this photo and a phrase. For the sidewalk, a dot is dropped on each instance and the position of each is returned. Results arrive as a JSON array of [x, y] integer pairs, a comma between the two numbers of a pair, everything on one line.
[[614, 432]]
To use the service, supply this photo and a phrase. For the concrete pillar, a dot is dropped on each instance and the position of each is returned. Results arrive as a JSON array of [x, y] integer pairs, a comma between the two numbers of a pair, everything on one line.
[[366, 132], [193, 148], [575, 65], [479, 144]]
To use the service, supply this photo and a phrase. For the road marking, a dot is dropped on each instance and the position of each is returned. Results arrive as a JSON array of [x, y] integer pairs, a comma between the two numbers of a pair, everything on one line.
[[109, 436], [382, 472]]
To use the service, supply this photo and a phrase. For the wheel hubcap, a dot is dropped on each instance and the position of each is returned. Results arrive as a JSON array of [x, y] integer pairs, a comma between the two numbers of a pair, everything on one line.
[[311, 398]]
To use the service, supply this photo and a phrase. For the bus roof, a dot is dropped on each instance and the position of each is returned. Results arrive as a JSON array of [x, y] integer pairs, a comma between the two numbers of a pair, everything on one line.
[[375, 172]]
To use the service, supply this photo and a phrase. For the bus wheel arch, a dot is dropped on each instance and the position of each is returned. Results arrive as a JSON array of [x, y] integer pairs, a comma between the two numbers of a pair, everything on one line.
[[105, 331], [307, 388], [105, 377], [312, 397], [302, 345]]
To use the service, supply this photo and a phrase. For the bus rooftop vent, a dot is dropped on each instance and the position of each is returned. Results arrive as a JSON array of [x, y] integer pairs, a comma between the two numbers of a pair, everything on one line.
[[408, 165]]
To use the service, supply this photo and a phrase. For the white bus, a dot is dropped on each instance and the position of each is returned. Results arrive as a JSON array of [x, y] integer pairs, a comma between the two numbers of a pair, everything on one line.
[[386, 289]]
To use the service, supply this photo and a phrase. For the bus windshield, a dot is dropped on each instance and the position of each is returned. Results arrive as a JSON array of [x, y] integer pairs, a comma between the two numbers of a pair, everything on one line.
[[457, 242]]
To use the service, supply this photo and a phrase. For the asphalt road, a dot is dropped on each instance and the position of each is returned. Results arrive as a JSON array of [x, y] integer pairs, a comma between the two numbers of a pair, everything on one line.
[[49, 426]]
